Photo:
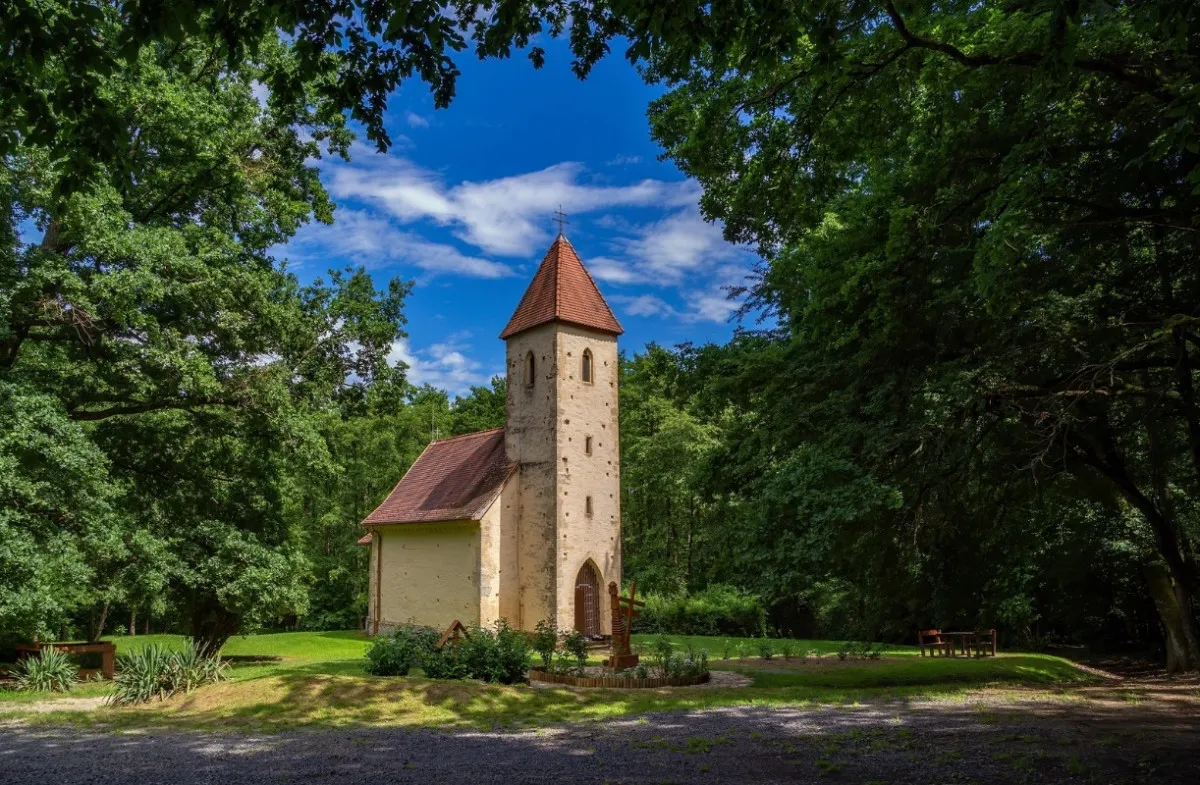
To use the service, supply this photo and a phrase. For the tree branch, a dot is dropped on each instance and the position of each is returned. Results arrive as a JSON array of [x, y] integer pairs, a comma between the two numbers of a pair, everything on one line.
[[1023, 59], [91, 415]]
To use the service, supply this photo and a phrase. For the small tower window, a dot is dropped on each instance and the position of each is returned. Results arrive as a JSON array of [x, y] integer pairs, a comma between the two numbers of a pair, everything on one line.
[[586, 372], [587, 506], [587, 445], [530, 369]]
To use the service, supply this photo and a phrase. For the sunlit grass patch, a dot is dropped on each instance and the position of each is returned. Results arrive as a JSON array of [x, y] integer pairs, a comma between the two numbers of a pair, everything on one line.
[[317, 679]]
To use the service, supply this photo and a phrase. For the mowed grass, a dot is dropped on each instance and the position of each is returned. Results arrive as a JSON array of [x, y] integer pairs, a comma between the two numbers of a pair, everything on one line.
[[316, 679]]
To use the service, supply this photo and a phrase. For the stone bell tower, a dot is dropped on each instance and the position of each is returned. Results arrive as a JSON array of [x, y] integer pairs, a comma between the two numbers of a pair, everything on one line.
[[562, 433]]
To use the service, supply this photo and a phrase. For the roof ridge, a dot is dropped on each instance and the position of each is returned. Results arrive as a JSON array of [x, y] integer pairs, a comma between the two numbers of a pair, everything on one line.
[[466, 435]]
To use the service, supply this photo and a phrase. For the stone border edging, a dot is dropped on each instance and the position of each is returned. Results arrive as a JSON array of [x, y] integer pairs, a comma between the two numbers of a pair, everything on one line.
[[618, 682]]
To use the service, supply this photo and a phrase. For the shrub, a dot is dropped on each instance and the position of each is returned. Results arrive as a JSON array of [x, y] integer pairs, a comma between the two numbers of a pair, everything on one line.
[[448, 662], [765, 650], [860, 650], [572, 652], [495, 656], [50, 670], [401, 651], [156, 671], [545, 641], [717, 610], [787, 648]]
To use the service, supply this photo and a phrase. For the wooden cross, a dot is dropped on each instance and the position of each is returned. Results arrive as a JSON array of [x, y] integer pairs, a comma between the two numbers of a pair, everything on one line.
[[624, 610], [560, 218]]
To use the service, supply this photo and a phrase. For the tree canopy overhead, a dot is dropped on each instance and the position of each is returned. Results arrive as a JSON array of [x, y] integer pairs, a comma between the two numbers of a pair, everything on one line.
[[979, 230]]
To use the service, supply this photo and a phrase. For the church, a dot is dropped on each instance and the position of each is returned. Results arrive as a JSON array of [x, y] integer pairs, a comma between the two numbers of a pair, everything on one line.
[[522, 522]]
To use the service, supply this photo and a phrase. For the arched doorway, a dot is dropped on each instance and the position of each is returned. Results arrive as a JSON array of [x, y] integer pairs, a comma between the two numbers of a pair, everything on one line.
[[587, 599]]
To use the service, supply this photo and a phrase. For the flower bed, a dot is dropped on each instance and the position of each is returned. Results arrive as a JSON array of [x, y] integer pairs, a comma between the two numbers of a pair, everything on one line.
[[616, 682]]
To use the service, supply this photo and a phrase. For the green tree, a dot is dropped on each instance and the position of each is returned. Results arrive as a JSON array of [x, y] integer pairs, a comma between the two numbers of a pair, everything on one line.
[[154, 317], [978, 223]]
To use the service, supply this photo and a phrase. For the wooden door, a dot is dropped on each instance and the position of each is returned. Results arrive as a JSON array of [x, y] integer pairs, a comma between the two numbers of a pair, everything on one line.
[[587, 600]]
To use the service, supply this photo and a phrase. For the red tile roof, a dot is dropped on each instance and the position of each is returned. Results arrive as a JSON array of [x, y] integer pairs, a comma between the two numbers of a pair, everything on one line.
[[364, 540], [562, 290], [452, 480]]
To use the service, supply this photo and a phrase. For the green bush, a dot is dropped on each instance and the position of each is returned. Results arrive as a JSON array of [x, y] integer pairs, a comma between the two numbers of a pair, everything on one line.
[[717, 610], [495, 656], [448, 662], [571, 656], [672, 664], [156, 671], [544, 642], [50, 670], [399, 652]]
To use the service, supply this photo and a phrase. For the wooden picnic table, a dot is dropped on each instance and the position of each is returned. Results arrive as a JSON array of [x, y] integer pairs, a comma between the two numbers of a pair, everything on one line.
[[960, 642]]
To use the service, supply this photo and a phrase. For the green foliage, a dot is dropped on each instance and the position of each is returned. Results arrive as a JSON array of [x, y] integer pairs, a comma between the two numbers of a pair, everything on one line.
[[50, 670], [400, 651], [448, 662], [572, 652], [500, 655], [674, 664], [954, 411], [156, 671], [716, 610], [544, 641], [860, 650], [766, 649]]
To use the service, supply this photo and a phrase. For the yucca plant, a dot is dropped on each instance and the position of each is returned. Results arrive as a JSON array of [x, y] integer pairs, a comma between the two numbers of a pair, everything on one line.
[[142, 674], [156, 671], [50, 671]]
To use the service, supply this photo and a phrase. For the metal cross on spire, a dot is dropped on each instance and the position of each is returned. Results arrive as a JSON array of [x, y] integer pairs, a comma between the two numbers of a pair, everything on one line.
[[560, 218]]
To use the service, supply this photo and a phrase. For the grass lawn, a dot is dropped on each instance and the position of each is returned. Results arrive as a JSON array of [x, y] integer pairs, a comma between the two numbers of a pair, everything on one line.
[[316, 678]]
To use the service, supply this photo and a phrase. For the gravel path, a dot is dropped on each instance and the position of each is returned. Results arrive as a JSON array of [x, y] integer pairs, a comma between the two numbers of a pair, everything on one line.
[[978, 742]]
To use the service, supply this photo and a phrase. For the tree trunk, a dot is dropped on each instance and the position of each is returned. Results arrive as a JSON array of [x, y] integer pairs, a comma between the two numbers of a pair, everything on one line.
[[132, 622], [1178, 619], [212, 626], [98, 629]]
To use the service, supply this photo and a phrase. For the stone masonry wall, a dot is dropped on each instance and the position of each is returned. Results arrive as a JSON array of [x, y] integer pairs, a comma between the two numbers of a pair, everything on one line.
[[587, 410], [530, 441]]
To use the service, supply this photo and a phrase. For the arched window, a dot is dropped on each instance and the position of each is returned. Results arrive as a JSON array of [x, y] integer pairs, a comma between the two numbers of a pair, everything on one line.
[[586, 373], [529, 369]]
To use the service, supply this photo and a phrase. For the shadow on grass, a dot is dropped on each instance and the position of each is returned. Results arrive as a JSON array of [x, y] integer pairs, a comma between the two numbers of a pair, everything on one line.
[[337, 693]]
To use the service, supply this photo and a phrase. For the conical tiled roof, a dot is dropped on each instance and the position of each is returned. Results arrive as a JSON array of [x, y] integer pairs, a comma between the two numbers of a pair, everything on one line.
[[562, 291]]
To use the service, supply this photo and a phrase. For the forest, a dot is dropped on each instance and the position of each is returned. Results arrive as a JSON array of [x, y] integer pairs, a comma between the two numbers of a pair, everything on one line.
[[963, 392]]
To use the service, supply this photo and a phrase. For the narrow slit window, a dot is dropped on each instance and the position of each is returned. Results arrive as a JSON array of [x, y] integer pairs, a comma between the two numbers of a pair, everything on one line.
[[586, 371], [530, 369], [587, 506], [587, 445]]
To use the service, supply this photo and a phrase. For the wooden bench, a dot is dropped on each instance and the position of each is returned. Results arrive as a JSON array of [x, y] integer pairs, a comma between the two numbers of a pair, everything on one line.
[[933, 641], [106, 649]]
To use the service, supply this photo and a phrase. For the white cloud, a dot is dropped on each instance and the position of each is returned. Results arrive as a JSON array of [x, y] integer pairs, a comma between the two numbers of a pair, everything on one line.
[[443, 365], [624, 160], [672, 251], [507, 215], [644, 305], [700, 306], [711, 306], [374, 242], [415, 120]]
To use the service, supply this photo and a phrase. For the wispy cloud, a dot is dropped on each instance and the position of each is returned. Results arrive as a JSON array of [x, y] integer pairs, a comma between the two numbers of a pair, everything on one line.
[[375, 242], [711, 305], [624, 160], [444, 365], [668, 252], [506, 216], [415, 120]]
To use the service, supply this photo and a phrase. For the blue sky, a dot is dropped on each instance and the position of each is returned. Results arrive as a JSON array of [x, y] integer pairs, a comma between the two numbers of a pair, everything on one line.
[[463, 205]]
